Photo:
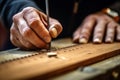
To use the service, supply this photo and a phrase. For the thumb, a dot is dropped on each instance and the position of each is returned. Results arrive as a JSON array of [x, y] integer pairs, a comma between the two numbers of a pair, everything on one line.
[[55, 30]]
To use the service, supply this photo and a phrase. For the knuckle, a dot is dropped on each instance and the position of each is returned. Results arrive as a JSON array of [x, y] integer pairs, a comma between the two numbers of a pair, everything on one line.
[[16, 16], [35, 21], [105, 18], [26, 32], [92, 16], [112, 25], [27, 10]]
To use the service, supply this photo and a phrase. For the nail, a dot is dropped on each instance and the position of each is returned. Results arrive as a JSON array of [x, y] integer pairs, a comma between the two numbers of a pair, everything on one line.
[[97, 40], [109, 40], [53, 32], [83, 40]]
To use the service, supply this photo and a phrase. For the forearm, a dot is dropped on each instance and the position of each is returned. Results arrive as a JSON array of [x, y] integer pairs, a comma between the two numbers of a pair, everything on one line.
[[10, 7]]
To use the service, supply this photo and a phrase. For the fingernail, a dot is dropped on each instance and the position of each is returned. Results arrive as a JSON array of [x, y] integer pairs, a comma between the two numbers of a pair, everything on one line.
[[97, 40], [109, 40], [83, 40], [53, 32]]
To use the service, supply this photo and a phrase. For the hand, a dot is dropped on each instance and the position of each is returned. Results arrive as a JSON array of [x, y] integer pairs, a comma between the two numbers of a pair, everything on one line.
[[30, 31], [99, 26]]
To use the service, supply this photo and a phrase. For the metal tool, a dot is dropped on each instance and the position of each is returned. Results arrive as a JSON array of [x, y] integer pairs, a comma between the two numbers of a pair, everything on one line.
[[48, 21], [47, 11]]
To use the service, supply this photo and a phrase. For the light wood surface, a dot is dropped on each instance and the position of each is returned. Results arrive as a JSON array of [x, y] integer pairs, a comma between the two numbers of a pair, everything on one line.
[[108, 69], [38, 65]]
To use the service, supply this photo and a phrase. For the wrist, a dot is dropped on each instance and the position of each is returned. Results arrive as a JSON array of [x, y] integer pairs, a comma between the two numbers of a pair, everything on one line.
[[112, 14]]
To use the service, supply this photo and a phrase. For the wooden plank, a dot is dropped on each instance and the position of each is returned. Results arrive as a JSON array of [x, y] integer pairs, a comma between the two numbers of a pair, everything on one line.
[[103, 70], [41, 66], [17, 53]]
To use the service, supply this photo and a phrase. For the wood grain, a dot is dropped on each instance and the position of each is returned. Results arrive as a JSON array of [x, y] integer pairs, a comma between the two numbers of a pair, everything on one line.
[[41, 66]]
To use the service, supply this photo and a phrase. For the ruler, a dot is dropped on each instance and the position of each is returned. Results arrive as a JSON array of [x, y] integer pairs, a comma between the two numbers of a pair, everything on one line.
[[40, 66]]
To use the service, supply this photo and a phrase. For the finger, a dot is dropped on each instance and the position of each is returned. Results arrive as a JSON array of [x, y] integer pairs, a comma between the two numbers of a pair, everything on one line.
[[118, 33], [110, 34], [99, 31], [16, 27], [34, 21], [86, 30], [14, 37], [27, 45], [76, 35], [55, 30], [27, 33]]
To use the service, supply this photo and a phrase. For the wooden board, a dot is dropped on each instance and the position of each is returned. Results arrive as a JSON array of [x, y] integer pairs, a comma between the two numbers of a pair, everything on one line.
[[39, 65], [108, 69], [16, 53]]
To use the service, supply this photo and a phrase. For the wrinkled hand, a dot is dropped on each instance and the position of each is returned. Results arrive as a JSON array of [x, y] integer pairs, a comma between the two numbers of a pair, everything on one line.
[[100, 27], [30, 31]]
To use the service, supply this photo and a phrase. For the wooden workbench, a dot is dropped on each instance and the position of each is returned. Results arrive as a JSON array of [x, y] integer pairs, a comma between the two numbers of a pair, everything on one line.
[[73, 62]]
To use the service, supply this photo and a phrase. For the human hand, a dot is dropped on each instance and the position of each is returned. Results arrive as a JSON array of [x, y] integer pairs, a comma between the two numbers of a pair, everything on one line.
[[100, 27], [30, 31]]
